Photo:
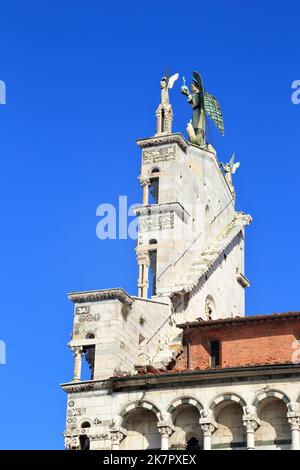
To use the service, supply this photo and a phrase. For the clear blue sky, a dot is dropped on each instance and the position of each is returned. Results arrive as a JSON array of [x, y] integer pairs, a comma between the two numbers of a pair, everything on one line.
[[71, 67]]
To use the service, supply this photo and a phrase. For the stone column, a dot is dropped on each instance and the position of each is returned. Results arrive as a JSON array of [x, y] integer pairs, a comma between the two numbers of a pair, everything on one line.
[[145, 185], [77, 351], [208, 426], [293, 416], [143, 262], [251, 423], [208, 430], [295, 429], [165, 431], [251, 427]]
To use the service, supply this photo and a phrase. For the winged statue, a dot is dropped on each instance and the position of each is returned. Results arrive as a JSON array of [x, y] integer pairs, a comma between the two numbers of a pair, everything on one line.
[[229, 170], [164, 112], [203, 103], [166, 84]]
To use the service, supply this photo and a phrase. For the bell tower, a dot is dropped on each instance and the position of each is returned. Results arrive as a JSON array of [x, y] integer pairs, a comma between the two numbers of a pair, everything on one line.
[[191, 239]]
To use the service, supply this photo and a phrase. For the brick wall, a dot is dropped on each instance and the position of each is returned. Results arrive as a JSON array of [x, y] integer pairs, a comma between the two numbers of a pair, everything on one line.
[[241, 344]]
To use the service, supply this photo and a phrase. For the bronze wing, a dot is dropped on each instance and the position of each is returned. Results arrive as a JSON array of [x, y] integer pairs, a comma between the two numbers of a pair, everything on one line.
[[213, 110]]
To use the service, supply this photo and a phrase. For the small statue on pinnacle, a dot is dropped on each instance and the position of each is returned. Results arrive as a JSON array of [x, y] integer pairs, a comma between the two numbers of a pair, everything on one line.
[[164, 113]]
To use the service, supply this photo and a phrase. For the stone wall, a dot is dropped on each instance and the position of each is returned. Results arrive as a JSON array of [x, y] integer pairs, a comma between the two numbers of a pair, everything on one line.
[[181, 411]]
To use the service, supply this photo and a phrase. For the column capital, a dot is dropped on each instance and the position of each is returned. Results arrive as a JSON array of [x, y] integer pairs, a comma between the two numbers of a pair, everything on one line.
[[77, 349], [208, 429], [144, 181], [250, 419], [250, 425], [294, 422], [117, 435], [72, 442], [207, 422], [165, 429], [143, 257]]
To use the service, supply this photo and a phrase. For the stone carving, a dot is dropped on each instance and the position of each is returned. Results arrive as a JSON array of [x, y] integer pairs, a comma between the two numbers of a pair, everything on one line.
[[164, 140], [292, 407], [229, 170], [209, 307], [250, 419], [99, 437], [207, 422], [97, 422], [76, 412], [161, 222], [293, 415], [165, 431], [77, 432], [71, 420], [208, 429], [87, 387], [82, 309], [72, 443], [89, 317], [160, 154], [143, 258], [95, 296]]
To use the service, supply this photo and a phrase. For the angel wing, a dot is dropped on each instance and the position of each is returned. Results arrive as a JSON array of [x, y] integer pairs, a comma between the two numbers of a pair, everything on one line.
[[235, 167], [172, 80], [198, 80], [231, 163], [213, 109]]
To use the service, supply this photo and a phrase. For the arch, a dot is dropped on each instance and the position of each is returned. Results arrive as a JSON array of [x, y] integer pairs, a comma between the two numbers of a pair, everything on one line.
[[270, 394], [274, 431], [140, 419], [227, 397], [184, 401], [155, 169], [85, 423], [147, 405], [90, 335]]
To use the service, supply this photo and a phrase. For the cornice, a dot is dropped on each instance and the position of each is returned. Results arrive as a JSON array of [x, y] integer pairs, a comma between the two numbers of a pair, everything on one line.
[[96, 295], [205, 376], [164, 140], [88, 386], [155, 209]]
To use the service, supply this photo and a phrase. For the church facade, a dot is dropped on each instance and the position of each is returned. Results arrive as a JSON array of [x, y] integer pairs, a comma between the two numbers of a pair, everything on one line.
[[179, 365]]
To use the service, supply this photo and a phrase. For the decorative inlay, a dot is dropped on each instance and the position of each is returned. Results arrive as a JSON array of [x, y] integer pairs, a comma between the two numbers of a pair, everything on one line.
[[160, 154], [76, 412], [161, 222], [80, 310], [89, 317]]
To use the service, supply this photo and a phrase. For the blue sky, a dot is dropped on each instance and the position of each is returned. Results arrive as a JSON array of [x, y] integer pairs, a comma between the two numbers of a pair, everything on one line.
[[82, 82]]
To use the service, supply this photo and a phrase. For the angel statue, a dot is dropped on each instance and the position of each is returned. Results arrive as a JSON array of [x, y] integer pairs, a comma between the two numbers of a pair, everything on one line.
[[164, 113], [203, 103], [167, 83], [229, 170]]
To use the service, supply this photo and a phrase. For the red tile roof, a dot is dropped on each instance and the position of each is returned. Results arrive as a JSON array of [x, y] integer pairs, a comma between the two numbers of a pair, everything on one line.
[[238, 320]]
